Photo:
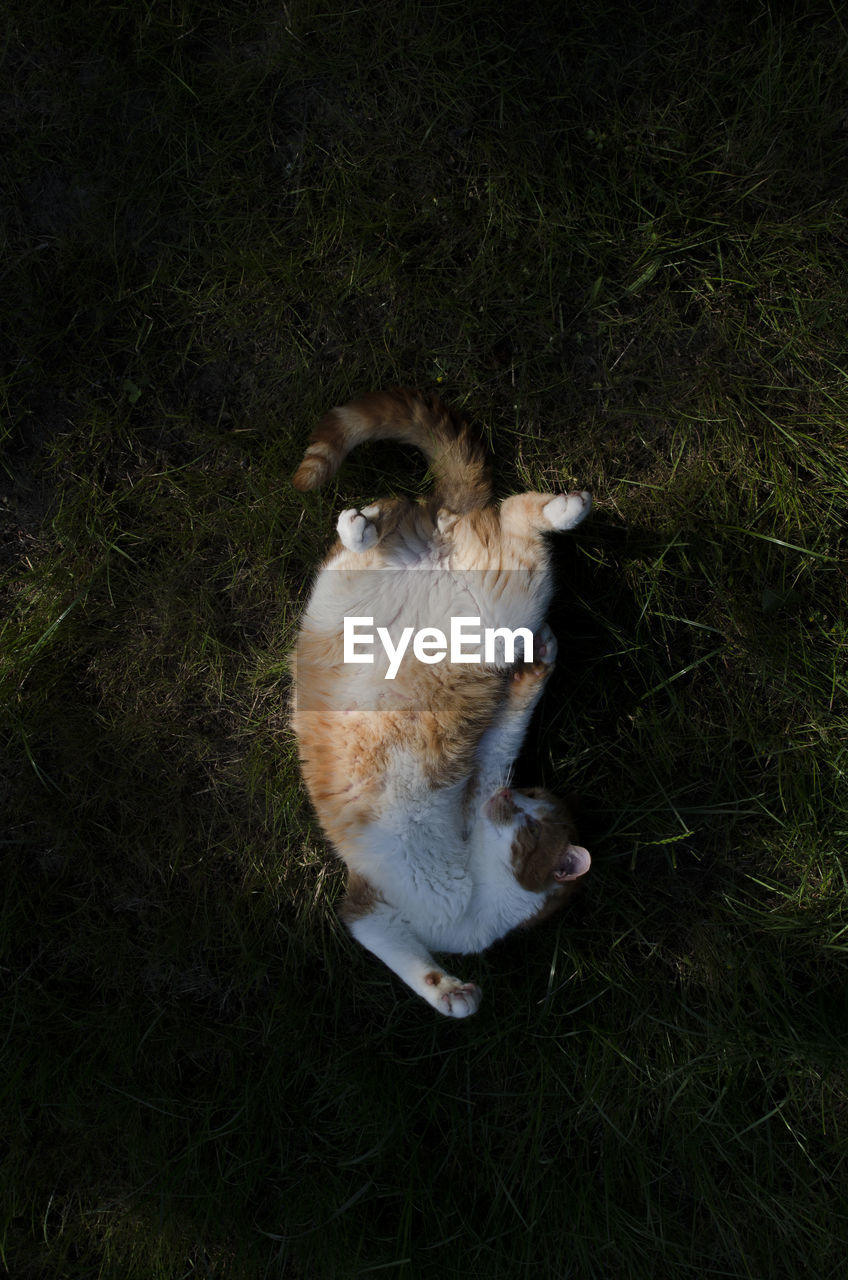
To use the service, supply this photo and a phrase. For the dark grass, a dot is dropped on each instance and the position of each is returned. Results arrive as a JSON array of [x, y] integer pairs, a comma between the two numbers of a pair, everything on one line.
[[615, 235]]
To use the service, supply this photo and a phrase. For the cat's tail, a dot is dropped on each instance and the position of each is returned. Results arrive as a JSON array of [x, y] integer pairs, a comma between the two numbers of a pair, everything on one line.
[[457, 458]]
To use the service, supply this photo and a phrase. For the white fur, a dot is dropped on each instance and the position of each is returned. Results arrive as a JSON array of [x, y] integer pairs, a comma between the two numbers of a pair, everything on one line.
[[356, 531], [567, 510], [442, 887]]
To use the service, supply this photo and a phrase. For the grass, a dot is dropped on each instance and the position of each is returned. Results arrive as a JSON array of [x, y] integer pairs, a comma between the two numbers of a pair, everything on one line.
[[615, 236]]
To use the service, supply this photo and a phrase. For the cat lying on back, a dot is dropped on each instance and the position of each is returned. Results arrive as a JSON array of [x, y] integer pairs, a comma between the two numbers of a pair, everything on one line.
[[410, 776]]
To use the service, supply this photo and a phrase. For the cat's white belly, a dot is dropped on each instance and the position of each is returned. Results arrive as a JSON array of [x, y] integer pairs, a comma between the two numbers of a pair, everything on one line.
[[456, 894], [493, 908], [421, 864]]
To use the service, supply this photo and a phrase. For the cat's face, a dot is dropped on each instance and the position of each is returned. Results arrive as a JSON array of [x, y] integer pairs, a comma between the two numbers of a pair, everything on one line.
[[540, 831]]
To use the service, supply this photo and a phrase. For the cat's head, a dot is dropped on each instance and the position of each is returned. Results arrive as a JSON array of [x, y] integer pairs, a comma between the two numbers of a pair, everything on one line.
[[541, 832]]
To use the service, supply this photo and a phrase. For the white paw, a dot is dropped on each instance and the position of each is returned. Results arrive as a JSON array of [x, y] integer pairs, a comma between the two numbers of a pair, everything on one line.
[[460, 1000], [567, 510], [545, 645], [452, 997], [356, 531]]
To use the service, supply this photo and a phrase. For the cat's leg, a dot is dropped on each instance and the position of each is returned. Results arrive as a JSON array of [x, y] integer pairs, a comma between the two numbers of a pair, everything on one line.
[[502, 741], [567, 510], [384, 931], [540, 513], [357, 529]]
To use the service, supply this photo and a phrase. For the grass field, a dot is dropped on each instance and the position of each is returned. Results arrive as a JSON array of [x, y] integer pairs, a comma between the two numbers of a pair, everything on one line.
[[615, 236]]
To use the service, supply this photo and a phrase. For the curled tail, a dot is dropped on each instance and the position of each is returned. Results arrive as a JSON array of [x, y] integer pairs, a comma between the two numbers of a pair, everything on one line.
[[456, 457]]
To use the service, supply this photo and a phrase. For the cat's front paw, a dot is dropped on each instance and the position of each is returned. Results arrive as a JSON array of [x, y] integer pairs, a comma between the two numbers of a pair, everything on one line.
[[356, 531], [527, 675], [545, 645], [567, 510], [451, 996]]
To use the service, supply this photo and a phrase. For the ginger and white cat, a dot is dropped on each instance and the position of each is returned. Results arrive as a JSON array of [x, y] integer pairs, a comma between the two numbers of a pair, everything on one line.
[[410, 775]]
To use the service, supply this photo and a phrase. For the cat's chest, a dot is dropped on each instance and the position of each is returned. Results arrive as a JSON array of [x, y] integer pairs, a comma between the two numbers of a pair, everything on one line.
[[456, 893], [496, 904], [418, 856]]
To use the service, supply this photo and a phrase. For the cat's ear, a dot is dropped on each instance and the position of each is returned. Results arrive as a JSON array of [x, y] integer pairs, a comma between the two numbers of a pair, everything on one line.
[[573, 863]]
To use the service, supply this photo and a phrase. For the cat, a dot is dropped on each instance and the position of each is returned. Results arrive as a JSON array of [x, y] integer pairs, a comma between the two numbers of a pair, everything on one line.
[[410, 775]]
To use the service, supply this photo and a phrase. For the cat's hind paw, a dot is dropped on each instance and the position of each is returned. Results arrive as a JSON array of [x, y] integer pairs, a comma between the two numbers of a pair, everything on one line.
[[567, 510], [451, 996], [356, 531]]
